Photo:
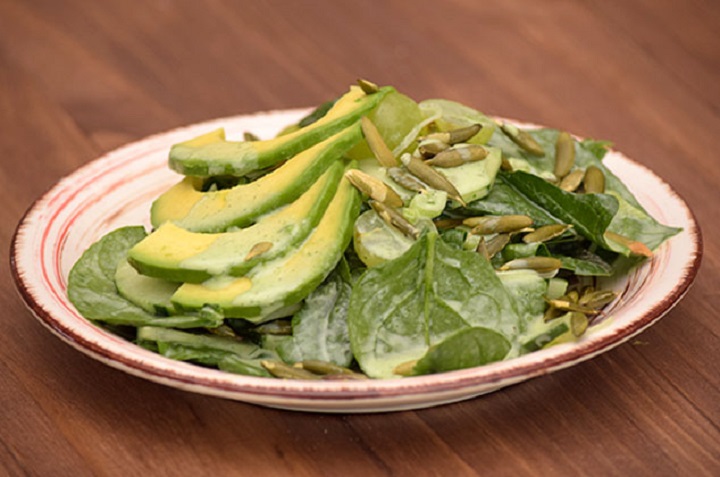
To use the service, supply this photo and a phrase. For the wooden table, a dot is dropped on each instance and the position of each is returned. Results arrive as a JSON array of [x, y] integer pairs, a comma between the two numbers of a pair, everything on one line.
[[79, 78]]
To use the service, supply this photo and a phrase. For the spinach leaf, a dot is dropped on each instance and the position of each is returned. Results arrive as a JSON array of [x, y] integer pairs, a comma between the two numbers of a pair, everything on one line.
[[586, 264], [91, 287], [320, 327], [505, 200], [589, 214], [466, 348], [401, 308], [633, 222]]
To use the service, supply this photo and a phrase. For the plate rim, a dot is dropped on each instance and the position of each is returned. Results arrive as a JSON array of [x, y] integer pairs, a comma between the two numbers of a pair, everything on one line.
[[219, 383]]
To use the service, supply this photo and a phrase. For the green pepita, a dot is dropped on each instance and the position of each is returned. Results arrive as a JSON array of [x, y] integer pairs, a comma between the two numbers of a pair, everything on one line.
[[250, 137], [594, 181], [458, 156], [456, 135], [430, 147], [374, 188], [275, 327], [395, 219], [285, 371], [323, 367], [597, 299], [495, 244], [546, 233], [539, 264], [495, 224], [431, 177], [377, 144], [567, 305], [578, 323], [368, 87], [406, 180], [572, 181], [564, 154], [522, 139]]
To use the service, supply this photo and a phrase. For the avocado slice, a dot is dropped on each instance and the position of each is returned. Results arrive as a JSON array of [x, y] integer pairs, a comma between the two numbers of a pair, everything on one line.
[[176, 254], [285, 280], [211, 154], [212, 212], [151, 294]]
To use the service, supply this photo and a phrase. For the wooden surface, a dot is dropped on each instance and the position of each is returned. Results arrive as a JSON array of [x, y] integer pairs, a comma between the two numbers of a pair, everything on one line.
[[79, 78]]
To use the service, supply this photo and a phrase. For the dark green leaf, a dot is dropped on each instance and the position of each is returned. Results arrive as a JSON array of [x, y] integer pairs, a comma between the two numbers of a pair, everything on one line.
[[467, 348], [401, 308], [91, 287]]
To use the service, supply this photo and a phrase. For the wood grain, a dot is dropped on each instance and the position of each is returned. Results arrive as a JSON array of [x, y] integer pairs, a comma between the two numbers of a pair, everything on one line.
[[79, 78]]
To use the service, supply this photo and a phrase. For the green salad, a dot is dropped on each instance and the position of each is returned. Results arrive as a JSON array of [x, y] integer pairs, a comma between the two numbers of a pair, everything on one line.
[[379, 237]]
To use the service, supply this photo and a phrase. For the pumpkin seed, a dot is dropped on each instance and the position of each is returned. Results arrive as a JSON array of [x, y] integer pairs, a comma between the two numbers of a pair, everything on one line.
[[496, 244], [275, 327], [539, 264], [495, 224], [431, 177], [567, 305], [551, 313], [343, 377], [546, 232], [564, 154], [594, 181], [637, 248], [258, 249], [447, 223], [284, 371], [456, 135], [406, 368], [223, 330], [377, 144], [572, 296], [572, 181], [522, 139], [374, 188], [323, 367], [395, 219], [458, 156], [578, 323], [250, 137], [482, 249], [406, 180], [597, 299], [368, 86], [430, 147]]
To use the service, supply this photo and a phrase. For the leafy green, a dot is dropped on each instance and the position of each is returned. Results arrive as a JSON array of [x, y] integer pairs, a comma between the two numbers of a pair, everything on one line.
[[589, 214], [467, 348], [91, 287], [503, 199], [634, 223], [401, 308], [527, 290], [320, 327]]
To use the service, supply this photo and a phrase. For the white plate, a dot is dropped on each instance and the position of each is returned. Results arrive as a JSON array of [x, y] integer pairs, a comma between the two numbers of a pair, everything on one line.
[[118, 188]]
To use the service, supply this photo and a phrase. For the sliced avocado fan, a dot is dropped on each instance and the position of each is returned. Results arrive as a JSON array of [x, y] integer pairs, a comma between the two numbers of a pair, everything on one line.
[[212, 155]]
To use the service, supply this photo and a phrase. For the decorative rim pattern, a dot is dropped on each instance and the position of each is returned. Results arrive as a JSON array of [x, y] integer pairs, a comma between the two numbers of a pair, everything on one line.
[[117, 188]]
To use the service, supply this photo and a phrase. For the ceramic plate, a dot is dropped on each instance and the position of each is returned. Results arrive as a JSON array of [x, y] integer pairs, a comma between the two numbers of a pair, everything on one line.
[[118, 188]]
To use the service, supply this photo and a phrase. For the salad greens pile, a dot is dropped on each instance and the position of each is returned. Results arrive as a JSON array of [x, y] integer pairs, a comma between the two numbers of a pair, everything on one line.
[[378, 237]]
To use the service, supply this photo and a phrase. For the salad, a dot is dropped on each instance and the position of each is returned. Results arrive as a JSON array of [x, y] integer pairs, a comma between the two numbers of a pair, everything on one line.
[[379, 237]]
